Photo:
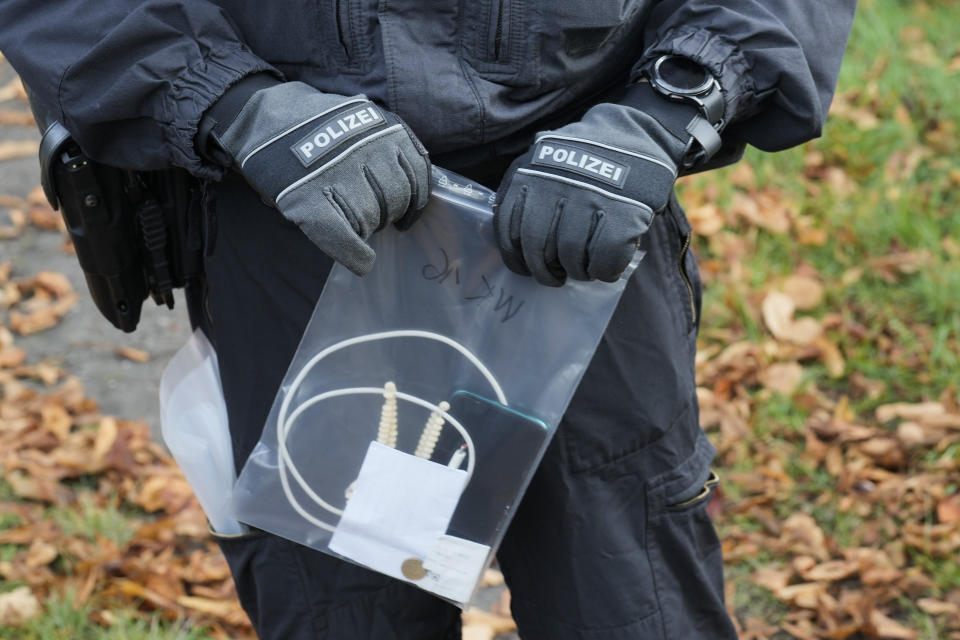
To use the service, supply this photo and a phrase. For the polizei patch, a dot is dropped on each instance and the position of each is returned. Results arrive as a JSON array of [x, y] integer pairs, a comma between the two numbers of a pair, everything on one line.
[[562, 156], [336, 130]]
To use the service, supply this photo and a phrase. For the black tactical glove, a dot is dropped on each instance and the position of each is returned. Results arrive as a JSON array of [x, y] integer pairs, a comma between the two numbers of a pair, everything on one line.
[[339, 167], [576, 204]]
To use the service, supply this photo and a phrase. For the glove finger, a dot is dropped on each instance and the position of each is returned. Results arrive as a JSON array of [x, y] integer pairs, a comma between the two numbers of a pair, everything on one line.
[[506, 225], [573, 236], [417, 175], [614, 242], [328, 226], [392, 200], [538, 230]]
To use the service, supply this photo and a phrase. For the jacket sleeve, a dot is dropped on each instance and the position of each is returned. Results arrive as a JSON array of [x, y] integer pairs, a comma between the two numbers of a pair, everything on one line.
[[130, 79], [777, 60]]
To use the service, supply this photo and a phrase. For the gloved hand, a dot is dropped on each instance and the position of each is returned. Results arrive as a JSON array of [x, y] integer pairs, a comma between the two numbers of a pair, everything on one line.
[[576, 204], [339, 167]]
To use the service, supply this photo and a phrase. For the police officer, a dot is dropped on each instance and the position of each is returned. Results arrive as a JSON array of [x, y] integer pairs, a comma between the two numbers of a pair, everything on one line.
[[312, 122]]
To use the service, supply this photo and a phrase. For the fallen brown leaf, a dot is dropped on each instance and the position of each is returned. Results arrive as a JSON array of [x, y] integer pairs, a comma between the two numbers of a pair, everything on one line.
[[802, 535], [478, 617], [137, 355], [806, 292], [782, 377], [743, 176], [948, 509], [43, 314], [805, 595], [491, 578], [772, 578], [830, 355], [40, 553], [229, 610], [706, 219], [18, 149], [18, 220], [778, 309], [938, 607], [106, 435], [56, 420], [908, 411], [18, 606], [11, 357], [477, 632], [11, 90], [766, 209], [886, 627], [54, 282], [164, 493], [16, 118], [831, 571]]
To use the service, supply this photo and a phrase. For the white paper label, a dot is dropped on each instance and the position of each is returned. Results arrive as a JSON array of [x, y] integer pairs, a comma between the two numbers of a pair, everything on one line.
[[400, 506], [454, 566]]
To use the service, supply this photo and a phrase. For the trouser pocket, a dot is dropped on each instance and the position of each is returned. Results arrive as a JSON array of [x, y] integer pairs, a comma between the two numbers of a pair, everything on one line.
[[684, 550]]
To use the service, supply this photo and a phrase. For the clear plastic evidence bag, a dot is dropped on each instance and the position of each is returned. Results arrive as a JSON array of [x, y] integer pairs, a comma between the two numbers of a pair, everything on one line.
[[421, 399]]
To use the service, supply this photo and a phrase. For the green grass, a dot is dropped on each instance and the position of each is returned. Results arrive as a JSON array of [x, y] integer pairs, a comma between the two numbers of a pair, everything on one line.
[[61, 620], [751, 600], [9, 521], [7, 493], [896, 68], [91, 521]]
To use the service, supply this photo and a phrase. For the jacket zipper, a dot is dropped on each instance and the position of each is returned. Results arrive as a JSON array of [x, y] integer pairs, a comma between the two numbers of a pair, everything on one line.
[[341, 8], [498, 34], [686, 278]]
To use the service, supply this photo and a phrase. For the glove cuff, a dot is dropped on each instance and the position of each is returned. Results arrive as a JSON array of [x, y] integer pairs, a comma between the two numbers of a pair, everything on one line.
[[221, 114]]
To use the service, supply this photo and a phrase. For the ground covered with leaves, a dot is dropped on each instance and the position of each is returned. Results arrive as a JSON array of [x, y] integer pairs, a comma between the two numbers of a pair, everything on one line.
[[827, 371], [829, 351]]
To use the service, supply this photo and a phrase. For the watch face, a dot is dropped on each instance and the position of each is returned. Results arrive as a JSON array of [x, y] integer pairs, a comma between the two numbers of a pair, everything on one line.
[[682, 75]]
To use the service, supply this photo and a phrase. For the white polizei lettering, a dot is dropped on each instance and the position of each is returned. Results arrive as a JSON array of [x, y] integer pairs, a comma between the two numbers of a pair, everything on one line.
[[580, 161], [306, 148], [352, 121], [321, 139], [364, 116], [333, 133]]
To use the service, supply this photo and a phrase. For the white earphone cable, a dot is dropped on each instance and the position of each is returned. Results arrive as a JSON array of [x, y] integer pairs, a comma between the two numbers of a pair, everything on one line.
[[285, 422]]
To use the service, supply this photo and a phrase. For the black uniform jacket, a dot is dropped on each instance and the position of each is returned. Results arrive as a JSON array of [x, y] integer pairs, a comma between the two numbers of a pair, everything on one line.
[[130, 79]]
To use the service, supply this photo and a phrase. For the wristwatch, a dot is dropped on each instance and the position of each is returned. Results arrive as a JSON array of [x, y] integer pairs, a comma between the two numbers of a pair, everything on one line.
[[682, 80]]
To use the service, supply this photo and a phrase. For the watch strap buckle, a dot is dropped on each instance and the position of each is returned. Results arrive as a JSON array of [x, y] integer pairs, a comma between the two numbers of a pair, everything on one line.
[[706, 136]]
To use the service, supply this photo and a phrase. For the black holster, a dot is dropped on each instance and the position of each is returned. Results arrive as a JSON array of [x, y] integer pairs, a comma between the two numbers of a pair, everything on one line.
[[136, 233]]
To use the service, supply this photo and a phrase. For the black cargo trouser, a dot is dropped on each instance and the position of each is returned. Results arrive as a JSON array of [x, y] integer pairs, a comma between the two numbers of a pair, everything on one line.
[[612, 540]]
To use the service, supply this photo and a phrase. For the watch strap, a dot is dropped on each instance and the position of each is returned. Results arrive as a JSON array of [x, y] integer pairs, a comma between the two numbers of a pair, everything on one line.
[[708, 138], [712, 107], [697, 138]]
